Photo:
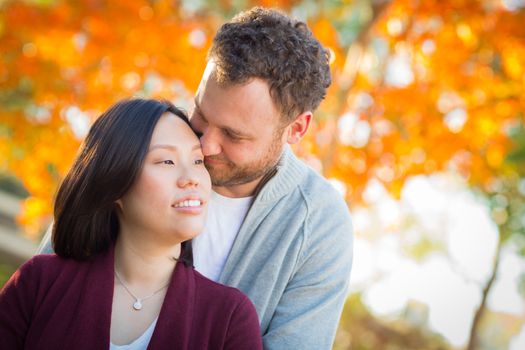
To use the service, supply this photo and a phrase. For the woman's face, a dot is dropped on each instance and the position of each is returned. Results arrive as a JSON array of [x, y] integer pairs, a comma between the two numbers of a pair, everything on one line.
[[168, 200]]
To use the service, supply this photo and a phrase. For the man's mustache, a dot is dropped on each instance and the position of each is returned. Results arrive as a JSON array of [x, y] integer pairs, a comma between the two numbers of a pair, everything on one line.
[[216, 158]]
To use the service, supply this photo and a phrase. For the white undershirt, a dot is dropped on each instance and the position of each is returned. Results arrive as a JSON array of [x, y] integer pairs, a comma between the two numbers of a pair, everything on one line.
[[213, 245], [141, 343]]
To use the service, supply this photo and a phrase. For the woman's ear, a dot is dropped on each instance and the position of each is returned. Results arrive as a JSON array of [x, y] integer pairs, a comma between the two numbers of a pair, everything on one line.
[[118, 203]]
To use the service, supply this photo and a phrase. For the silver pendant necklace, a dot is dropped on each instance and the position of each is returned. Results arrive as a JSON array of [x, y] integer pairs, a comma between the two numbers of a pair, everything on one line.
[[137, 305]]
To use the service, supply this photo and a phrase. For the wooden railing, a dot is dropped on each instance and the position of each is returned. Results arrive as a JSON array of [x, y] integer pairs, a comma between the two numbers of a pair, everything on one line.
[[14, 247]]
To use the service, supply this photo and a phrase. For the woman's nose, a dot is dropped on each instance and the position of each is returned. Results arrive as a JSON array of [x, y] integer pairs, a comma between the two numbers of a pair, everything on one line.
[[188, 178]]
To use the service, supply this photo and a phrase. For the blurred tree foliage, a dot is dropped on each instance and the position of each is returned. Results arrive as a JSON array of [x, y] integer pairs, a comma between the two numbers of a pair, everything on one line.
[[360, 330], [419, 87], [429, 86]]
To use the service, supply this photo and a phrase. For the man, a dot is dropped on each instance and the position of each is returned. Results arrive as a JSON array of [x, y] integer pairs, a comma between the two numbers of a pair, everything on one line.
[[276, 230]]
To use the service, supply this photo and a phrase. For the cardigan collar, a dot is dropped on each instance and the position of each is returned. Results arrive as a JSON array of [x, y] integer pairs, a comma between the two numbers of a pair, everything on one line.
[[284, 178], [95, 307]]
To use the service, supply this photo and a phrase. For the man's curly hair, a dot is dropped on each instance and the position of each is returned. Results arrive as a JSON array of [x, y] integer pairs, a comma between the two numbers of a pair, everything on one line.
[[266, 44]]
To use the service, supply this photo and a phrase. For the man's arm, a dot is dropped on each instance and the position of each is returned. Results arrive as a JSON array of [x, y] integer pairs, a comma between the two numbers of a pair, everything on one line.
[[45, 246], [310, 308]]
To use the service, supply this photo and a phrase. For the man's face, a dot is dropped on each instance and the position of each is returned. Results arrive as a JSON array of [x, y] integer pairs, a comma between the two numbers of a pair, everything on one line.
[[242, 136]]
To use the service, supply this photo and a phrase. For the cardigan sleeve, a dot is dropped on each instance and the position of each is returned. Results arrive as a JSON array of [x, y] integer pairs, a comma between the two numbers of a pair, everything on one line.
[[17, 299], [244, 330], [308, 312]]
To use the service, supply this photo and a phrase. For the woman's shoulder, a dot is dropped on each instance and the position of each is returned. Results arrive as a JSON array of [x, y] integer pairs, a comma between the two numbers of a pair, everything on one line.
[[46, 267], [34, 273], [49, 261], [39, 263]]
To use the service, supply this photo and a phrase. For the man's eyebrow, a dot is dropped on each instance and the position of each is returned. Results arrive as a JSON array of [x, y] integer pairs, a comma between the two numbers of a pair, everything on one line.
[[235, 132]]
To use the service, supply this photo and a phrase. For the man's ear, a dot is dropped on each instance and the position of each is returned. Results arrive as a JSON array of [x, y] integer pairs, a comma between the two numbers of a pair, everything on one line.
[[298, 127]]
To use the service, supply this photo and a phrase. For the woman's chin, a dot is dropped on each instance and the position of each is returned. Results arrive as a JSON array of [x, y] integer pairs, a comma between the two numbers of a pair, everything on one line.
[[190, 234]]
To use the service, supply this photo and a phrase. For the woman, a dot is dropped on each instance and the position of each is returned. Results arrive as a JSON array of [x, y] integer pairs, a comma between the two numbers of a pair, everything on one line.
[[122, 277]]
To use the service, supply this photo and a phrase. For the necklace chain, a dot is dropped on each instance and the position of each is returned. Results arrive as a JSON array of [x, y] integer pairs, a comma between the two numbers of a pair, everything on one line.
[[137, 305]]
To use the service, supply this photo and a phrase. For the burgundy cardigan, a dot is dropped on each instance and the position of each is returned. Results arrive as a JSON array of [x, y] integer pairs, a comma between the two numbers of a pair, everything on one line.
[[56, 303]]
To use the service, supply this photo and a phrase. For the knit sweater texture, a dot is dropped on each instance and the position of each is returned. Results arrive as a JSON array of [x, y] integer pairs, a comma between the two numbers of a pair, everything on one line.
[[293, 256]]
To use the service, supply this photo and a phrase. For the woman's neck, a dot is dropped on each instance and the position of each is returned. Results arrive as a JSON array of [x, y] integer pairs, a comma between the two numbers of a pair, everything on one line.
[[144, 264]]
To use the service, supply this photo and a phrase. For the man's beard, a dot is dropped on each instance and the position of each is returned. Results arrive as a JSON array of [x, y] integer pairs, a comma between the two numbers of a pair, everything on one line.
[[231, 174]]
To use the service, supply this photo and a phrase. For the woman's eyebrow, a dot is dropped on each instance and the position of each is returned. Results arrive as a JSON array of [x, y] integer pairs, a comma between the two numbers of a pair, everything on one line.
[[163, 146], [195, 147]]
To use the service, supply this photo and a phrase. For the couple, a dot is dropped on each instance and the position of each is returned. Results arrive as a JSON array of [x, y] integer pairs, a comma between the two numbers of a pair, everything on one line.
[[138, 193]]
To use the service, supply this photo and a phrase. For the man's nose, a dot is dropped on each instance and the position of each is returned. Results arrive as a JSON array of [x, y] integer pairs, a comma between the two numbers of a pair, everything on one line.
[[210, 142]]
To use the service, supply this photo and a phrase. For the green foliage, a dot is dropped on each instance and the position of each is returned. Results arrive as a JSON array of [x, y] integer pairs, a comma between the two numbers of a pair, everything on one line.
[[517, 154], [5, 273], [423, 247], [12, 185]]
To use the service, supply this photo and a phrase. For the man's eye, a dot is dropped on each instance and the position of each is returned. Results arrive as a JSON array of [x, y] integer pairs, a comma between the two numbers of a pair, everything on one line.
[[231, 136]]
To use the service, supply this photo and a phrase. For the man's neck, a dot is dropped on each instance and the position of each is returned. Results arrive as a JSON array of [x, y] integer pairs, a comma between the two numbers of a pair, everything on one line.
[[238, 191]]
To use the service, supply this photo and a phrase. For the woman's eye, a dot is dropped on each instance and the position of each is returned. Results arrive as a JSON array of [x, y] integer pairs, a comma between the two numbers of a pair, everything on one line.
[[199, 161], [169, 162]]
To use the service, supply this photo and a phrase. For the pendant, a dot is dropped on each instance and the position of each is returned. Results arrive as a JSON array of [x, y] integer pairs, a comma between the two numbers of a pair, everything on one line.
[[137, 305]]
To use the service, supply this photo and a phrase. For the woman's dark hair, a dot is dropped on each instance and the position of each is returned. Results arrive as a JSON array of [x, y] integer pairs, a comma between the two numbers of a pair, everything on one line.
[[109, 162]]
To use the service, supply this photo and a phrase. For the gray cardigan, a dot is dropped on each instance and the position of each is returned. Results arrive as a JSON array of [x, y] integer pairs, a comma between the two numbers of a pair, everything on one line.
[[292, 257]]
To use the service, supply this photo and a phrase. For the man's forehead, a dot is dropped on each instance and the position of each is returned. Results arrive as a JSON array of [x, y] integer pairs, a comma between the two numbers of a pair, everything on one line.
[[237, 106]]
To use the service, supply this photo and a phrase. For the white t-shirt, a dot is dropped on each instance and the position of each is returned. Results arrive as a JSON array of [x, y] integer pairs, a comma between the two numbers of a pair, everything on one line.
[[212, 246], [141, 343]]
